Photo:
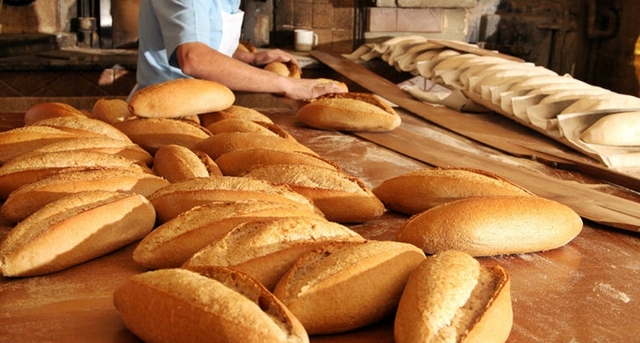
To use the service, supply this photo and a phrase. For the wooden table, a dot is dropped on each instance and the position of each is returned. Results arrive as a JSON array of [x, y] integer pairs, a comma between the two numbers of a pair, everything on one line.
[[586, 291]]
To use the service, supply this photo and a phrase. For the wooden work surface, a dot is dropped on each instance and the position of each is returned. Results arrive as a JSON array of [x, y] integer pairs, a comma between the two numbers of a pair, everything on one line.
[[586, 291]]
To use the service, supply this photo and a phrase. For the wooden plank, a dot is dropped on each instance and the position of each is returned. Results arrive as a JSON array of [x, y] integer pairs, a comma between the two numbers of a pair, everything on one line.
[[490, 129]]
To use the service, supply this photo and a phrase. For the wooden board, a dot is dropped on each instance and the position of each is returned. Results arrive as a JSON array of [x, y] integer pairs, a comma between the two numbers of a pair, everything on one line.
[[592, 198]]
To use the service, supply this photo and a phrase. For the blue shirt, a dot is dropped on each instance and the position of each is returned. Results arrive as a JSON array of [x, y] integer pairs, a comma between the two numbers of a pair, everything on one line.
[[163, 25]]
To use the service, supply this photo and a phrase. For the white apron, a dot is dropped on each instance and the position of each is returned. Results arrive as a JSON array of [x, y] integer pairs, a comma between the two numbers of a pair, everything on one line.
[[231, 31]]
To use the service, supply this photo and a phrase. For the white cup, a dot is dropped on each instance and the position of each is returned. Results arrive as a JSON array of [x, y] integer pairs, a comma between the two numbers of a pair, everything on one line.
[[304, 40]]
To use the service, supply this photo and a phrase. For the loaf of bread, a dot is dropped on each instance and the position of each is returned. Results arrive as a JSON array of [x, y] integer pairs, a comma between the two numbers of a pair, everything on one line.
[[222, 143], [110, 110], [416, 191], [451, 297], [237, 162], [180, 196], [53, 109], [241, 125], [207, 305], [172, 243], [288, 69], [20, 140], [73, 230], [267, 249], [341, 197], [493, 225], [101, 144], [617, 129], [29, 198], [152, 133], [177, 163], [350, 111], [21, 171], [85, 127], [180, 98], [345, 286], [234, 111]]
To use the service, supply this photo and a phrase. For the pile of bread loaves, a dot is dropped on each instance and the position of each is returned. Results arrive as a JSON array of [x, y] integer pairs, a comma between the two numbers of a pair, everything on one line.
[[244, 230], [532, 94]]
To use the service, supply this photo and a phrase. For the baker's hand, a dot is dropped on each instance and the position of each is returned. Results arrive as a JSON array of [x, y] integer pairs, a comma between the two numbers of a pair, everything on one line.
[[306, 89]]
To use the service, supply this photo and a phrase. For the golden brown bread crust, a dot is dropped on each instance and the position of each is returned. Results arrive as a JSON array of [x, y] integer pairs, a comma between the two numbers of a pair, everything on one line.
[[341, 287], [75, 229], [22, 171], [180, 98], [237, 162], [183, 195], [350, 111], [205, 305], [54, 109], [27, 138], [222, 143], [29, 198], [266, 249], [341, 197], [84, 126], [493, 225], [288, 69], [152, 133], [110, 110], [450, 297], [172, 243], [233, 111], [419, 190], [177, 163]]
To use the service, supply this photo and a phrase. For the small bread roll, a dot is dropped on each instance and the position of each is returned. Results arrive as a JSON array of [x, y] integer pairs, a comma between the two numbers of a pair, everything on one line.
[[341, 197], [177, 163], [420, 190], [450, 297], [344, 286], [207, 305], [180, 98], [172, 243], [75, 229], [29, 198], [493, 225], [47, 110], [152, 133], [110, 110], [288, 69], [617, 129], [349, 112], [267, 249], [181, 196]]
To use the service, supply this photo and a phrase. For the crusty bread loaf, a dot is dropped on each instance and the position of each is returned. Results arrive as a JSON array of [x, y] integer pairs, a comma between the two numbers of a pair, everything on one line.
[[53, 109], [416, 191], [247, 46], [180, 196], [110, 110], [288, 69], [172, 243], [234, 111], [20, 140], [152, 133], [29, 198], [75, 229], [177, 163], [180, 98], [341, 197], [85, 126], [238, 125], [21, 171], [617, 129], [349, 112], [451, 297], [222, 143], [341, 287], [267, 249], [237, 162], [493, 225], [208, 305], [101, 144]]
